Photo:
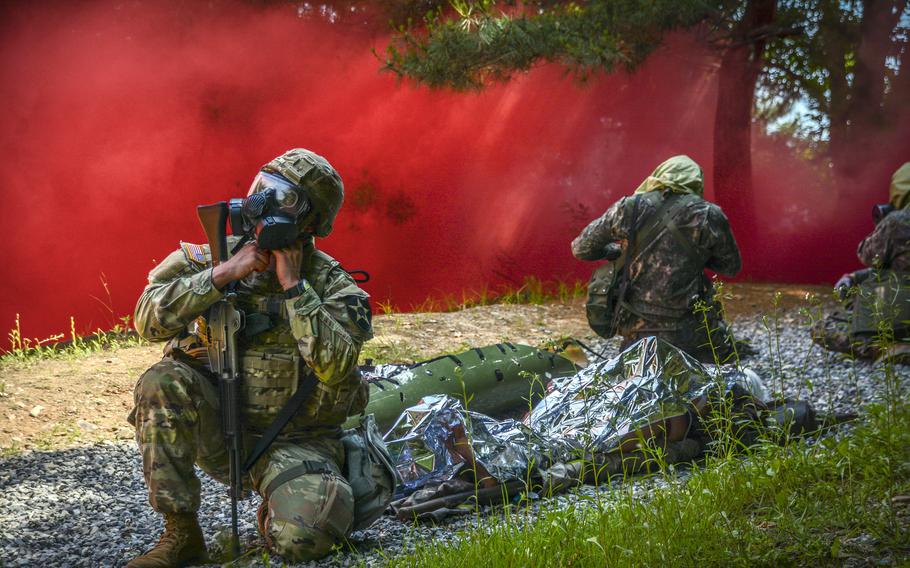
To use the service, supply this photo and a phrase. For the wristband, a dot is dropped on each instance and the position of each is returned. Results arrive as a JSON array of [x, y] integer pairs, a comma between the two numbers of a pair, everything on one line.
[[297, 289]]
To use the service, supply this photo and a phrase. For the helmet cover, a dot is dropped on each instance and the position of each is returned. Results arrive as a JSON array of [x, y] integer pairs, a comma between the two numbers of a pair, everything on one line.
[[319, 181]]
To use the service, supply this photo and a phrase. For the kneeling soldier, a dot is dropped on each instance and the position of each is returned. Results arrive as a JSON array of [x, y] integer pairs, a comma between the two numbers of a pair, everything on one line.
[[875, 317], [306, 320]]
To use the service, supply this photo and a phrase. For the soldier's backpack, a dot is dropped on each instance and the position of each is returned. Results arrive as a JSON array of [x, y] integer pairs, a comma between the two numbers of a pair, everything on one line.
[[369, 471], [883, 297]]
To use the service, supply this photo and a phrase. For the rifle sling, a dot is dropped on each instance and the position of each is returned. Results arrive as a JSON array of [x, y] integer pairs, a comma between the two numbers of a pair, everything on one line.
[[663, 221], [287, 412]]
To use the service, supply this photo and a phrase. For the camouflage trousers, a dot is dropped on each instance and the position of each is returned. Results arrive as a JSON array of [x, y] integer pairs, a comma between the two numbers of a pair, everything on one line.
[[307, 504], [834, 333], [689, 334]]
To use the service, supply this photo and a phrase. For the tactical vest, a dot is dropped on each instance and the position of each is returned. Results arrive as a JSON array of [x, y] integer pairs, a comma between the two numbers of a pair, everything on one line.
[[605, 286], [271, 365]]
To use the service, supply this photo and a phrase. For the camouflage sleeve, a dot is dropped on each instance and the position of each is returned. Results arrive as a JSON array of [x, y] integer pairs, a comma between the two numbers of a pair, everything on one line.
[[331, 330], [875, 250], [718, 240], [178, 291], [591, 243]]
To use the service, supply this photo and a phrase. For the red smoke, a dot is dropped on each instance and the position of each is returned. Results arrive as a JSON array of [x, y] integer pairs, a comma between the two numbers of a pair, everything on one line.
[[118, 118]]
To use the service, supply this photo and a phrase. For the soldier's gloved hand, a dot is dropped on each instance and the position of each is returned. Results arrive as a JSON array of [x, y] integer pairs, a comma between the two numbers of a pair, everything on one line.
[[248, 259], [287, 265], [842, 286], [612, 251]]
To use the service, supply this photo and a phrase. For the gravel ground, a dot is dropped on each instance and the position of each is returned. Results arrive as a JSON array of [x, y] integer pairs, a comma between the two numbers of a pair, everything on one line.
[[88, 506]]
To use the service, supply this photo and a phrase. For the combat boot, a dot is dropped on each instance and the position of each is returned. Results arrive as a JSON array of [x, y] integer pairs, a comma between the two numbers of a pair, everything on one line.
[[181, 544]]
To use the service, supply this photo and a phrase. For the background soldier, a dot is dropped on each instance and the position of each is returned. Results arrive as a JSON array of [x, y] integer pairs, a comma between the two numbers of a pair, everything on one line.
[[669, 235], [855, 328], [305, 317]]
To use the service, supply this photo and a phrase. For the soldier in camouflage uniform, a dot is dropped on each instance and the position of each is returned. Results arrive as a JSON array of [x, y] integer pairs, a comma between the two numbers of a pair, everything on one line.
[[305, 315], [677, 236], [886, 255]]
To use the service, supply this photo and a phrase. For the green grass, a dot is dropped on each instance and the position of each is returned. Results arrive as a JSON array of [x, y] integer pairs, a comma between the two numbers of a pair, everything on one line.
[[381, 352], [29, 351], [827, 502], [800, 504], [62, 434], [532, 290]]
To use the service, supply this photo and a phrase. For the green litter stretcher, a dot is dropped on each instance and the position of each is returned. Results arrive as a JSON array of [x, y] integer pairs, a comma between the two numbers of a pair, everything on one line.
[[489, 380]]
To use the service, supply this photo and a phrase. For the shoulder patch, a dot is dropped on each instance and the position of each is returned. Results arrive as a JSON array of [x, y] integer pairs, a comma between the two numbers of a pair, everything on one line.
[[194, 253], [359, 312]]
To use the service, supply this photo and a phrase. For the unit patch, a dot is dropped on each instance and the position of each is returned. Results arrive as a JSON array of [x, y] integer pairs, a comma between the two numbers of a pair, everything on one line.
[[194, 253], [359, 310]]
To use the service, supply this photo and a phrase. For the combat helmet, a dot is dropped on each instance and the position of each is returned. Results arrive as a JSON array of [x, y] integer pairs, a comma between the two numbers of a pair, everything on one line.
[[316, 176], [900, 187]]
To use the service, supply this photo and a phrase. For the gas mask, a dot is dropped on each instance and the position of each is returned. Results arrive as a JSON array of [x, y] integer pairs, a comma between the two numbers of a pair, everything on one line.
[[879, 212], [271, 213]]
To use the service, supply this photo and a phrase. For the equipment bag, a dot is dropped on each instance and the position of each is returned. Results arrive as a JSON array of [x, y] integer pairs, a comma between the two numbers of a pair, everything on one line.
[[369, 470], [882, 297], [601, 303]]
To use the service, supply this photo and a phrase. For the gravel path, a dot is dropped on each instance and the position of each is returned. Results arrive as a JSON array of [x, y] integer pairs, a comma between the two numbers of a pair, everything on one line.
[[88, 506]]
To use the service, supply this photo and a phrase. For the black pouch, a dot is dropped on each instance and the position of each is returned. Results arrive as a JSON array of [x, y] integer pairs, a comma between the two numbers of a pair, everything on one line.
[[600, 306]]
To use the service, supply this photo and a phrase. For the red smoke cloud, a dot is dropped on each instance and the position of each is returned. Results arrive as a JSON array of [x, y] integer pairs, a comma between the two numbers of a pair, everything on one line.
[[119, 118]]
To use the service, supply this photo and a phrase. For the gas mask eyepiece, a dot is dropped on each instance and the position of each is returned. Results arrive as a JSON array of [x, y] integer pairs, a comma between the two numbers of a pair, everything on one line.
[[879, 212], [270, 212]]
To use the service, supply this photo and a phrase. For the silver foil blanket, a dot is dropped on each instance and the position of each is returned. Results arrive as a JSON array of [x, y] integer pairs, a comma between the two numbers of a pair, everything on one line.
[[434, 440], [589, 412]]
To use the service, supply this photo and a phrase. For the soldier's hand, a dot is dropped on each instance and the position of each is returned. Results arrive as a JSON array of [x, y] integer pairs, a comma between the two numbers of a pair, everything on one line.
[[287, 265], [842, 287], [248, 259]]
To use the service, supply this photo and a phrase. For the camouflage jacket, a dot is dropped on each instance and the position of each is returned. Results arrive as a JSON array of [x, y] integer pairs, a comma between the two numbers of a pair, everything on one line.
[[888, 247], [665, 278], [325, 326]]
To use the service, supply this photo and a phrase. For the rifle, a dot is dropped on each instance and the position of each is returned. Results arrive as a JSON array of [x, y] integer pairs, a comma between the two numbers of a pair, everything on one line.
[[628, 255], [223, 322]]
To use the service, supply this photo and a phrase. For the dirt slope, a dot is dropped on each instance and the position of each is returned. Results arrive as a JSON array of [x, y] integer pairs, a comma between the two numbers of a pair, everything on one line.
[[78, 400]]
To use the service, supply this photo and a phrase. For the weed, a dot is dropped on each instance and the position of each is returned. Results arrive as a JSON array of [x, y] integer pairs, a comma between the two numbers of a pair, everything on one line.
[[532, 290], [14, 449], [62, 434], [386, 308], [795, 505], [799, 503], [25, 351]]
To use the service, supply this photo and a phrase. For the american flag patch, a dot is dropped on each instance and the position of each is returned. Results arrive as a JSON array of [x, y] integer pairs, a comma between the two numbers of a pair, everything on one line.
[[194, 252]]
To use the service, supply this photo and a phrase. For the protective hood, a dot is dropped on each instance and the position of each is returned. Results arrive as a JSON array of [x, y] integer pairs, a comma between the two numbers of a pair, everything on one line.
[[679, 174], [900, 187]]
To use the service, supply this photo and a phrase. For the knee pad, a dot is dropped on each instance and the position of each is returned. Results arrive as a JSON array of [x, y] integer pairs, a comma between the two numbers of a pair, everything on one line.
[[305, 517]]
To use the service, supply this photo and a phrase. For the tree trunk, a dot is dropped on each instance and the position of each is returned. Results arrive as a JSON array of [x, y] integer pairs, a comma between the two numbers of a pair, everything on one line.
[[740, 66]]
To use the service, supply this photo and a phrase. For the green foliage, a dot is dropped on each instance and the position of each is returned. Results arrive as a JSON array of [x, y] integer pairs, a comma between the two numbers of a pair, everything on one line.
[[532, 290], [29, 351], [816, 71], [838, 499], [483, 41], [793, 505]]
